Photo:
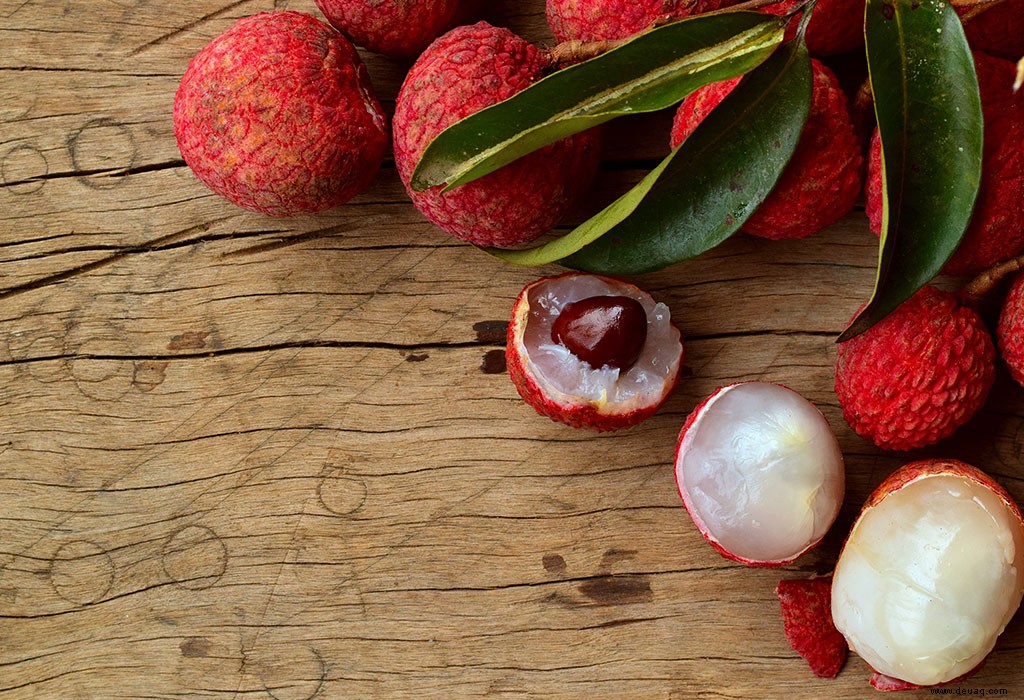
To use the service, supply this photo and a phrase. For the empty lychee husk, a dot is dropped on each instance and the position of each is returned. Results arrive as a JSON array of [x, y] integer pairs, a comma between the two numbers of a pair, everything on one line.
[[931, 573], [760, 473], [548, 351]]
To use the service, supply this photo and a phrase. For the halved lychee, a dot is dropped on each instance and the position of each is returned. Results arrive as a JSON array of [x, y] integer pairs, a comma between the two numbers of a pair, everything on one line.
[[760, 472], [592, 351], [930, 574]]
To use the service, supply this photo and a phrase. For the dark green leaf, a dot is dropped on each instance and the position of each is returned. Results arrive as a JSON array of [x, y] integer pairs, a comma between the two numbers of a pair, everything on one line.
[[704, 191], [930, 123], [652, 72]]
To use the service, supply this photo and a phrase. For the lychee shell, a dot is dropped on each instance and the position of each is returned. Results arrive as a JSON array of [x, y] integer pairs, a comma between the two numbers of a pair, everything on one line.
[[393, 27]]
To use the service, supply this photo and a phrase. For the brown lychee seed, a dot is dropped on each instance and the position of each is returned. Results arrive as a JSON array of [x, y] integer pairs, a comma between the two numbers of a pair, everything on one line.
[[930, 574], [597, 394], [760, 473], [603, 331], [277, 115]]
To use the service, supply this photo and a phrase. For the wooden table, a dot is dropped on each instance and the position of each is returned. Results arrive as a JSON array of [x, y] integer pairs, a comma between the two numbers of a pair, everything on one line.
[[244, 457]]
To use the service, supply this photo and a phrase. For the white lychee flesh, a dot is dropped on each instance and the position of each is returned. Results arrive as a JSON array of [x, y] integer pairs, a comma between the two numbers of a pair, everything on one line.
[[929, 577], [561, 374], [760, 472]]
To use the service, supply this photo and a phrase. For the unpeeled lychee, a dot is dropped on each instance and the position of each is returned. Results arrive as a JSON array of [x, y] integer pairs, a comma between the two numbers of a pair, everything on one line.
[[573, 355], [595, 20], [464, 71], [998, 30], [394, 27], [836, 26], [915, 377], [996, 229], [1010, 330], [760, 473], [277, 115], [822, 180]]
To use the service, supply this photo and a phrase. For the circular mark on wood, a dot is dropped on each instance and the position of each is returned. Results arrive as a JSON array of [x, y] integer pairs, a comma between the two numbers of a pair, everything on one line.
[[553, 563], [103, 380], [195, 557], [81, 572], [340, 494], [23, 169], [101, 146], [289, 671], [148, 374]]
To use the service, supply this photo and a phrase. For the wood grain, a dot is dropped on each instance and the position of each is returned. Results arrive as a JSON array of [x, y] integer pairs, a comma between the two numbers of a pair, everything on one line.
[[249, 457]]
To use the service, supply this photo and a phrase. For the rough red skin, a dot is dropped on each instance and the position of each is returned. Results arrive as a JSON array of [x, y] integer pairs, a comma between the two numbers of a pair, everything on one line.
[[1010, 330], [821, 182], [999, 30], [903, 476], [807, 618], [996, 230], [578, 415], [918, 375], [594, 20], [465, 70], [394, 27], [701, 527], [837, 26], [277, 115]]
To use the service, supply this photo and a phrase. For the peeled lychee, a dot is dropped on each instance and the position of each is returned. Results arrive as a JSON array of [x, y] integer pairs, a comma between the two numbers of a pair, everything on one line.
[[393, 27], [822, 180], [277, 115], [996, 229], [594, 20], [465, 70], [919, 374], [930, 574], [1010, 330], [760, 472], [592, 351]]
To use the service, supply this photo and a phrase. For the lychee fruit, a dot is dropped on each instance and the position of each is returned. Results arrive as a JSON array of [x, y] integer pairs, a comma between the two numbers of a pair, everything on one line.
[[931, 572], [277, 115], [1010, 330], [462, 72], [591, 351], [394, 27], [596, 20], [760, 473], [822, 180], [836, 26], [999, 30], [915, 377], [996, 230]]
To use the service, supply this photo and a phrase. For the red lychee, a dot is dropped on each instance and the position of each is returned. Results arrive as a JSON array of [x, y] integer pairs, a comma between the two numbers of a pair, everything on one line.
[[573, 355], [594, 20], [464, 71], [394, 27], [999, 30], [996, 230], [1010, 330], [822, 180], [277, 115], [837, 26], [918, 375]]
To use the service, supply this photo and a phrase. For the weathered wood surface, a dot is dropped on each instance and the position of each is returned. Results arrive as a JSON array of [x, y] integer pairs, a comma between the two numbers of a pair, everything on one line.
[[243, 457]]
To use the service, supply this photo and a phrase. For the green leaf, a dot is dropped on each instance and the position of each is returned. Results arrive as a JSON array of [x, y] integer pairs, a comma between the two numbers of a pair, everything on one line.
[[654, 71], [930, 124], [704, 191]]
